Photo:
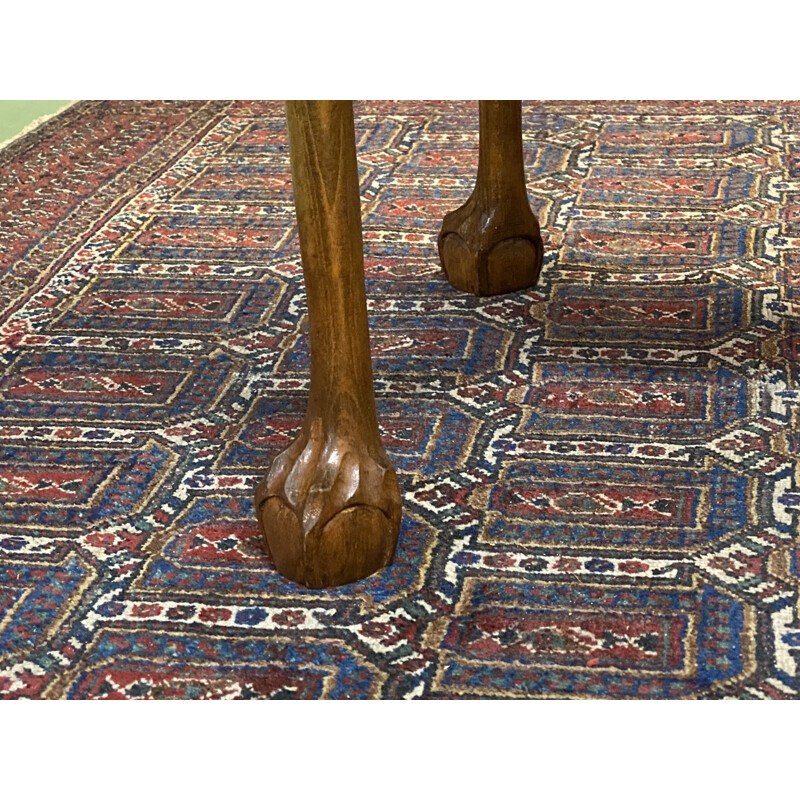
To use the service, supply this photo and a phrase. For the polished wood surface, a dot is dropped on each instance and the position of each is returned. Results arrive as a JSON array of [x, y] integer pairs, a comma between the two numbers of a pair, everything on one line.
[[491, 245], [329, 507]]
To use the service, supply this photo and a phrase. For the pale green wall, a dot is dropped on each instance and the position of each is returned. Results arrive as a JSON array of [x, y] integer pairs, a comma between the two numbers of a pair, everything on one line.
[[16, 114]]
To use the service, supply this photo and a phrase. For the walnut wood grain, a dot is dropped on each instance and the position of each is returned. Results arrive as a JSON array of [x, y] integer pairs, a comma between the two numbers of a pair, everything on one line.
[[491, 244], [329, 506]]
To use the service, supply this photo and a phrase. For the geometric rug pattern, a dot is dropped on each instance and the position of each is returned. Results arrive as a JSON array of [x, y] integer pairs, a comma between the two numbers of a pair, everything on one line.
[[600, 474]]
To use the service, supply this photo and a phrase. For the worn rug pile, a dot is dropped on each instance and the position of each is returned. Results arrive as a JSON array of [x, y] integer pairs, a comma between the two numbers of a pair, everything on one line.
[[600, 475]]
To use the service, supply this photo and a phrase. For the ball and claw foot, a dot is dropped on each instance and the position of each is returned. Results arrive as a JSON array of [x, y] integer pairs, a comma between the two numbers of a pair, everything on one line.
[[329, 509], [491, 250]]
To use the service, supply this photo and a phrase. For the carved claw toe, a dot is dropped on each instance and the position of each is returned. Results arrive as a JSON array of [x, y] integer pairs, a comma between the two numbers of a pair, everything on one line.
[[329, 509]]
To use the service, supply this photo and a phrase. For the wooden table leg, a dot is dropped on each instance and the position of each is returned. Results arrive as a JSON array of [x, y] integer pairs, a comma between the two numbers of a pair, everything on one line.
[[330, 506], [491, 245]]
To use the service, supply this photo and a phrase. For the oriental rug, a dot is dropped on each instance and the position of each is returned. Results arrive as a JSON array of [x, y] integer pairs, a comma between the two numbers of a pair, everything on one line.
[[600, 475]]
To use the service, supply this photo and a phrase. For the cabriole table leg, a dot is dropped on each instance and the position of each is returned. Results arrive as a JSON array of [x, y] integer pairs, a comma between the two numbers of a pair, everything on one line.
[[491, 245], [329, 506]]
